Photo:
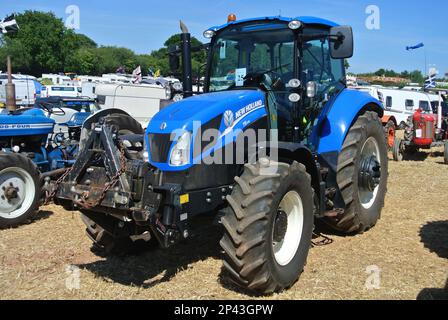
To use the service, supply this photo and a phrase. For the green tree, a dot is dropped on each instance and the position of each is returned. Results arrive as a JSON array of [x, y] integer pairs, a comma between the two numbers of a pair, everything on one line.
[[417, 77], [83, 61], [160, 56], [346, 64]]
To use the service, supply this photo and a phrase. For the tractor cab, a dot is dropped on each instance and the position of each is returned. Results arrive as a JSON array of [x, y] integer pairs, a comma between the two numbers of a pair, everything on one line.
[[260, 53], [297, 62]]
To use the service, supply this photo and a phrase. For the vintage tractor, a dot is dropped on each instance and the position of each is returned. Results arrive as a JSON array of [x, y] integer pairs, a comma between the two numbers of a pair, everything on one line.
[[275, 141], [424, 130], [30, 151]]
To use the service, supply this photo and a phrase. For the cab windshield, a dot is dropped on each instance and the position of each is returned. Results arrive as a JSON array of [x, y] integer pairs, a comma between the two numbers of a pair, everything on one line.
[[256, 48]]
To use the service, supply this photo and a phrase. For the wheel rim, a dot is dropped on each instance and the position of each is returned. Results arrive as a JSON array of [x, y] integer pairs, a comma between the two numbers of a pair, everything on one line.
[[286, 242], [17, 192], [370, 173]]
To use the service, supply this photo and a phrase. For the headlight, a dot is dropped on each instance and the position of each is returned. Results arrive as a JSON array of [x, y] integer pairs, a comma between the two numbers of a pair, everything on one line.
[[180, 154], [168, 91]]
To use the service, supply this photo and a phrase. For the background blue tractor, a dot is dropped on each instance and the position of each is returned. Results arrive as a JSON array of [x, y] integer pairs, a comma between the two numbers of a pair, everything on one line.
[[30, 150], [276, 142]]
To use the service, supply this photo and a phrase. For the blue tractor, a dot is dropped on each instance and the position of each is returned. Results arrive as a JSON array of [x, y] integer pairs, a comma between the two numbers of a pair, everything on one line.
[[275, 142], [30, 151]]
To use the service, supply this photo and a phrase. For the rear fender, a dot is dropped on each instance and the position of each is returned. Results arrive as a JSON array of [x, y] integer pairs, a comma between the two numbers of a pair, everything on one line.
[[385, 119], [338, 116]]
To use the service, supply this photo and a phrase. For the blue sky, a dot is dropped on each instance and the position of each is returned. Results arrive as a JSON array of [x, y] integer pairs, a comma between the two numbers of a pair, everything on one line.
[[144, 25]]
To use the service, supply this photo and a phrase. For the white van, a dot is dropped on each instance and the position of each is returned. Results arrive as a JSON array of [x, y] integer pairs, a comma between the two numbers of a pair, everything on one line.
[[24, 86], [56, 78], [142, 102], [399, 103], [61, 91]]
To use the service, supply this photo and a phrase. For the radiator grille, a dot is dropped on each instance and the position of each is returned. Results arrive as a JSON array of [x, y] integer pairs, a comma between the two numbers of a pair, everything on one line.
[[159, 146]]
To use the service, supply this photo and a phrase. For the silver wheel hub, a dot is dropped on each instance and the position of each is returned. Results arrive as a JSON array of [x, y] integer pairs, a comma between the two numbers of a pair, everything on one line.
[[17, 192], [369, 175], [288, 227]]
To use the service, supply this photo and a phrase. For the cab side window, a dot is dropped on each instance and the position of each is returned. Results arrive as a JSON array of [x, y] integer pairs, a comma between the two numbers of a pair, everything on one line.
[[317, 64]]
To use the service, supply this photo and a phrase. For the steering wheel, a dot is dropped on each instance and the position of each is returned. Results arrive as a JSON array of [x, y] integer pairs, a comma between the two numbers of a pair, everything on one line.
[[50, 108]]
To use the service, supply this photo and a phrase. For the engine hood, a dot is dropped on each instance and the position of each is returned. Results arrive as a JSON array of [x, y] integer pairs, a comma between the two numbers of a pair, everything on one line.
[[229, 112], [203, 108], [25, 122]]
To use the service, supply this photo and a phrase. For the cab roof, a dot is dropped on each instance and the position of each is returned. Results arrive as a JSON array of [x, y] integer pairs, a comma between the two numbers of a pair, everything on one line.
[[303, 19]]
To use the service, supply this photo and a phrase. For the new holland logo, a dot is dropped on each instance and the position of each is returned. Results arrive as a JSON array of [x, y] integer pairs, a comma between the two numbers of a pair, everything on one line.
[[163, 126], [228, 118]]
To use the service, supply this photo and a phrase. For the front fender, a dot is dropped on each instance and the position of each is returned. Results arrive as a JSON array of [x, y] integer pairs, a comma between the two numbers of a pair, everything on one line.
[[338, 116]]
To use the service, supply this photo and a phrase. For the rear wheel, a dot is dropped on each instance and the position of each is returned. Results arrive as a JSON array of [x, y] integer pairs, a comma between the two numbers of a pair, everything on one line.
[[389, 129], [445, 154], [19, 189], [362, 175], [124, 124], [268, 226], [397, 150]]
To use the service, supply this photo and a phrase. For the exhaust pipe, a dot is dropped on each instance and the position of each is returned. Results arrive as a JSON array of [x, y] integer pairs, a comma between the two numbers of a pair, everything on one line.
[[10, 89], [186, 60]]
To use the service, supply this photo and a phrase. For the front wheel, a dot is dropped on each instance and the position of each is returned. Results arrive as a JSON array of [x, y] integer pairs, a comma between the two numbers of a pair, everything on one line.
[[268, 226], [19, 189], [105, 243]]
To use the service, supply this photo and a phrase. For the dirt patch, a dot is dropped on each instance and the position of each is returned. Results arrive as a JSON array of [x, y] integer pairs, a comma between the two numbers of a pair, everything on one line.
[[404, 257]]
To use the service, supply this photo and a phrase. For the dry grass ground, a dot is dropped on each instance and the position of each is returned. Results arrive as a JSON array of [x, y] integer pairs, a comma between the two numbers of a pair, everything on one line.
[[409, 246]]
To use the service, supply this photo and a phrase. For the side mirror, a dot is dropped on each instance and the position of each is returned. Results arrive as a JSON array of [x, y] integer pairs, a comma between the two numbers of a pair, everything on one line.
[[341, 42], [174, 59]]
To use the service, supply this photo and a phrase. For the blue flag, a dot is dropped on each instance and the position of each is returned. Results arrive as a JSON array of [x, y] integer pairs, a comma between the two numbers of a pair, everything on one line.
[[417, 46]]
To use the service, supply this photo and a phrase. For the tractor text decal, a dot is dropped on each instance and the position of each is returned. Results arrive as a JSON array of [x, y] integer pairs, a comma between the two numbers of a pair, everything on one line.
[[248, 108]]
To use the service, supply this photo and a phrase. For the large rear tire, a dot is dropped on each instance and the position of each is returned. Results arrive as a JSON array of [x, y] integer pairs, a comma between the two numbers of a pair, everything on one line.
[[124, 124], [19, 189], [268, 226], [397, 150], [362, 175]]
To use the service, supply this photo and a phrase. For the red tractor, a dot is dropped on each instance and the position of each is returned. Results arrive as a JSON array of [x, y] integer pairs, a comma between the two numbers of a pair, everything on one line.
[[424, 130]]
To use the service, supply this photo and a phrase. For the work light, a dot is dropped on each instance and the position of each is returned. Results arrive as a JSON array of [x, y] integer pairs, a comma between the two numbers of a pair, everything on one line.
[[209, 34], [294, 24]]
